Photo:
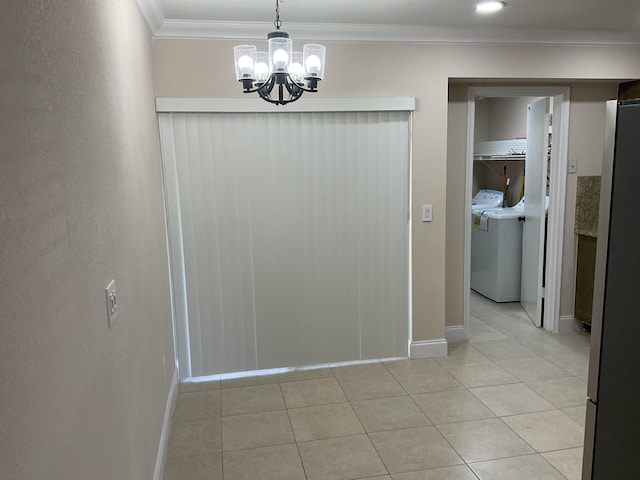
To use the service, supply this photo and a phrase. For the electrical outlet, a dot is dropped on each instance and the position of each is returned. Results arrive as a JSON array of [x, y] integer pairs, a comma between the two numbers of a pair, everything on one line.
[[112, 302], [573, 165]]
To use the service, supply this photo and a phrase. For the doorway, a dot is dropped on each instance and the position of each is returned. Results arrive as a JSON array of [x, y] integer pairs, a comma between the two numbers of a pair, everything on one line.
[[547, 294]]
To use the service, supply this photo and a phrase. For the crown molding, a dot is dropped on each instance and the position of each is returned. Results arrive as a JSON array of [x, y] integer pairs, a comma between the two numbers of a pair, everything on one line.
[[394, 33], [167, 27], [152, 13]]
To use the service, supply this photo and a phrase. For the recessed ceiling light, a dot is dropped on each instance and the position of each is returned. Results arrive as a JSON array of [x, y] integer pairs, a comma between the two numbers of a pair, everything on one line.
[[489, 7]]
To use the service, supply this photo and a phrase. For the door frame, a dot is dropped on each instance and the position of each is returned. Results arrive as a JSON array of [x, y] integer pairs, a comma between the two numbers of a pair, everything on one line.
[[557, 192]]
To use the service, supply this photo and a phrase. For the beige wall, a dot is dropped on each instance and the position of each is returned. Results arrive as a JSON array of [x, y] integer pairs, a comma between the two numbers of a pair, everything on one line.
[[490, 174], [508, 117], [80, 204], [586, 143], [204, 68], [456, 175], [500, 118], [481, 124]]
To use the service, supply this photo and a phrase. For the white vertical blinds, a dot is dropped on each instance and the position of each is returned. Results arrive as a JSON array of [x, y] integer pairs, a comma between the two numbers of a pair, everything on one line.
[[291, 233]]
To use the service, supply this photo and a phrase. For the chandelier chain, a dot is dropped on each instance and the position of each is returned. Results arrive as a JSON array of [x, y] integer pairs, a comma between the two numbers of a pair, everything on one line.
[[277, 22]]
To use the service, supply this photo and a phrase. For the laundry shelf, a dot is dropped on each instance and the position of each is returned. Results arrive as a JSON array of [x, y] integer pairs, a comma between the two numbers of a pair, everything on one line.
[[500, 157], [501, 150]]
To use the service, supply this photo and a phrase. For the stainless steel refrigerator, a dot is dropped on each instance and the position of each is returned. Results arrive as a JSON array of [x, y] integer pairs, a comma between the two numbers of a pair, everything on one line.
[[612, 431]]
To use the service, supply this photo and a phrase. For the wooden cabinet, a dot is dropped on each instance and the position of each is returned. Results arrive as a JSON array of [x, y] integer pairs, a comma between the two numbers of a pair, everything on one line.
[[585, 272]]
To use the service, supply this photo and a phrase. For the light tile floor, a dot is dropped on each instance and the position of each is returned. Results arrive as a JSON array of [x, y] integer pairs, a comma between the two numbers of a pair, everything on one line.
[[509, 404]]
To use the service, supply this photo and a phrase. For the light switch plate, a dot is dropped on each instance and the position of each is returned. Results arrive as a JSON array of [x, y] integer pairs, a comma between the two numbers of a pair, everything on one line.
[[573, 166], [112, 302], [427, 213]]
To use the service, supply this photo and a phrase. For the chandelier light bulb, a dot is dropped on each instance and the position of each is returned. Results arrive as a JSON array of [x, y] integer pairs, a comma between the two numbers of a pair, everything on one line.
[[296, 70], [245, 62], [313, 64], [280, 57], [261, 70]]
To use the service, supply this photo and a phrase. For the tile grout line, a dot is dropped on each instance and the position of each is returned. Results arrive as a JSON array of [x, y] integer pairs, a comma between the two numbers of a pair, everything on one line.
[[293, 432], [361, 425], [221, 431], [433, 424], [552, 465]]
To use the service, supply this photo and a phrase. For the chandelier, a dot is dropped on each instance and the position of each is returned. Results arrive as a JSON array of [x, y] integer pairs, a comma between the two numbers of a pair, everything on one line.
[[293, 72]]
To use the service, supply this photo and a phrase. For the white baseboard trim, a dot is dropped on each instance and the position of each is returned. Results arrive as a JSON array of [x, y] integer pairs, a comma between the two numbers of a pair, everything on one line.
[[428, 348], [166, 426], [456, 333], [566, 324]]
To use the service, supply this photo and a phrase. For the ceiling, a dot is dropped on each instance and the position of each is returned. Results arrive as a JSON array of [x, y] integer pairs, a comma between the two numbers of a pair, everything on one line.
[[523, 21]]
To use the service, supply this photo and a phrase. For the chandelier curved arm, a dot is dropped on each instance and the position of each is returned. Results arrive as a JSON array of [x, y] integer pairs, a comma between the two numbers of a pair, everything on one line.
[[313, 88], [284, 82], [258, 87], [294, 93], [292, 87]]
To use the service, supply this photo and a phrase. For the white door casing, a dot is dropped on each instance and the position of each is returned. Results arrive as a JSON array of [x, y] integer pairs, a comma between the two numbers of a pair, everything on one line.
[[555, 226]]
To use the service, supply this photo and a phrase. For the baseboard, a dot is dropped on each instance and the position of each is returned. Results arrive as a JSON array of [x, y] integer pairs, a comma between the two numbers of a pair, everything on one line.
[[428, 348], [566, 324], [166, 426], [456, 333]]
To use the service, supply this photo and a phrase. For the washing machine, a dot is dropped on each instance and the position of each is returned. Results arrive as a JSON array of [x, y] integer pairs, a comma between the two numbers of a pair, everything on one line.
[[485, 199], [496, 254]]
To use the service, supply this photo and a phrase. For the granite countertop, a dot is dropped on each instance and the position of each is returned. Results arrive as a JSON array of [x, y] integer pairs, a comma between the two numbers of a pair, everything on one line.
[[587, 206]]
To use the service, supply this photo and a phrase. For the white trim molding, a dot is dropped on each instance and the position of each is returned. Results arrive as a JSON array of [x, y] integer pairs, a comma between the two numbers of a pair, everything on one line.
[[345, 32], [161, 458], [557, 201], [456, 333], [152, 13], [567, 323], [226, 105], [428, 348]]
